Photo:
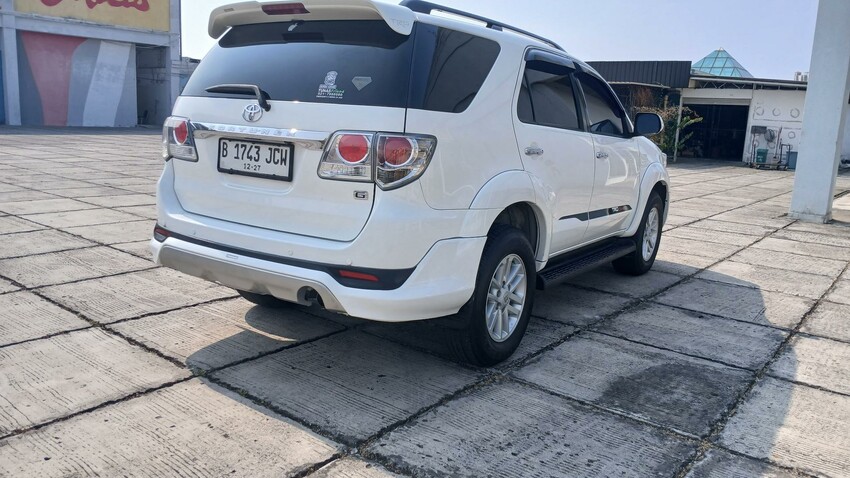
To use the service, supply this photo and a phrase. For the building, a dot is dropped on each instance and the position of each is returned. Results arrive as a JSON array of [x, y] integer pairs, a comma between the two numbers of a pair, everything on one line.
[[740, 113], [88, 62]]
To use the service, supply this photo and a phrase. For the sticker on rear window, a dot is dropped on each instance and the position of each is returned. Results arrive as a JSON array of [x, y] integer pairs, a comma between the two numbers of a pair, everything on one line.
[[328, 89], [361, 82]]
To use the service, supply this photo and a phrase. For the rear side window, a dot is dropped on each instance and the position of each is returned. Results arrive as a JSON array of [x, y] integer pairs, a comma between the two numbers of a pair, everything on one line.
[[546, 96], [603, 113], [450, 67], [350, 62]]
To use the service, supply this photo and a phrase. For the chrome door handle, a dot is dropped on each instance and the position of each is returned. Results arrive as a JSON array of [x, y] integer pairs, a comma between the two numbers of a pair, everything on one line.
[[602, 155], [530, 151]]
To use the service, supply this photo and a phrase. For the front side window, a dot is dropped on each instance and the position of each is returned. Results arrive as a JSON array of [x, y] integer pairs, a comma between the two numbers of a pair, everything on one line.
[[546, 96], [603, 113]]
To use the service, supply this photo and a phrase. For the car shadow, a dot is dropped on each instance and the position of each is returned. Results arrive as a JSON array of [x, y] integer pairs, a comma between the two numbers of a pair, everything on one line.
[[686, 360]]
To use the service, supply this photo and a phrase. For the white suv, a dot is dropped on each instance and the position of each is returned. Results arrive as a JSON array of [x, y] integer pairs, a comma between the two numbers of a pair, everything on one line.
[[395, 165]]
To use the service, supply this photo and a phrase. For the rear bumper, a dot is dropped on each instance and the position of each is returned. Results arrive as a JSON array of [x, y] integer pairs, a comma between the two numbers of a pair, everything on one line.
[[440, 284]]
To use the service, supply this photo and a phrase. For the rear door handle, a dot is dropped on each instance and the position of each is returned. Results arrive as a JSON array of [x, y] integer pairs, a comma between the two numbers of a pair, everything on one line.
[[602, 155], [532, 151]]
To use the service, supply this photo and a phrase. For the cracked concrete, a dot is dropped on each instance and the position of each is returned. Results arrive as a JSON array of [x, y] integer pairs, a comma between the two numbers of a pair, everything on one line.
[[728, 359]]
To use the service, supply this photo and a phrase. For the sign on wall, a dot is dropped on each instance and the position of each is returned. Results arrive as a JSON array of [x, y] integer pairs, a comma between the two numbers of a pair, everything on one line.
[[143, 14]]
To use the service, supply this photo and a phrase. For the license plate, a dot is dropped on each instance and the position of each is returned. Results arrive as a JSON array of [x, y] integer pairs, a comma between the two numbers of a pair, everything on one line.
[[251, 158]]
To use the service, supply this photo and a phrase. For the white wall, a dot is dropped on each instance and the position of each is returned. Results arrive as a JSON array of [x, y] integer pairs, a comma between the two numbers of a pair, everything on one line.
[[845, 151], [779, 110]]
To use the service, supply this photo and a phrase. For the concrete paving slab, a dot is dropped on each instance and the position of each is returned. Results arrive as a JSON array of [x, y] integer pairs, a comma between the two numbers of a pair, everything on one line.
[[575, 306], [126, 296], [734, 227], [768, 278], [138, 248], [804, 248], [814, 238], [352, 468], [792, 262], [793, 425], [44, 205], [6, 286], [829, 229], [665, 388], [514, 431], [738, 302], [25, 316], [122, 200], [829, 320], [50, 378], [88, 217], [710, 250], [719, 463], [680, 264], [40, 242], [11, 225], [677, 220], [67, 266], [714, 338], [191, 429], [90, 192], [25, 195], [608, 280], [351, 384], [435, 339], [840, 294], [714, 236], [141, 230], [218, 334], [148, 212], [815, 361], [747, 216]]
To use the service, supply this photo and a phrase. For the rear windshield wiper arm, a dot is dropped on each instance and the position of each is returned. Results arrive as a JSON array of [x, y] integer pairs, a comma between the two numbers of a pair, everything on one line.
[[234, 89]]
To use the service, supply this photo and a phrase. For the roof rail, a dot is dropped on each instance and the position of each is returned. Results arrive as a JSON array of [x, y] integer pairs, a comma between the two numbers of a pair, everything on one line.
[[421, 6]]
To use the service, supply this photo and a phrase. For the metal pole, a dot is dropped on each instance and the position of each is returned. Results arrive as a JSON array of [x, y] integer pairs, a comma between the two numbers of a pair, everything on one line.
[[678, 124]]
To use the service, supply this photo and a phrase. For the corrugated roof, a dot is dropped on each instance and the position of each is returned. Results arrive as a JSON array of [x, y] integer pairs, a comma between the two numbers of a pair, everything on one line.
[[674, 74]]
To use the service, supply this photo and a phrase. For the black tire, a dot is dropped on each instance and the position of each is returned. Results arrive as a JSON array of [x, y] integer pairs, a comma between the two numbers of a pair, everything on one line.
[[269, 301], [636, 264], [474, 343]]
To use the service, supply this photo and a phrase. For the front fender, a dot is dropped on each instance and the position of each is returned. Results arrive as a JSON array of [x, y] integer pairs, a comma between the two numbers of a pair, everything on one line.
[[654, 174]]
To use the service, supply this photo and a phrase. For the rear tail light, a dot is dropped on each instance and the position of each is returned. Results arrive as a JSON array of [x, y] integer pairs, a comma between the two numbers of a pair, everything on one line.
[[402, 159], [348, 157], [390, 160], [178, 140]]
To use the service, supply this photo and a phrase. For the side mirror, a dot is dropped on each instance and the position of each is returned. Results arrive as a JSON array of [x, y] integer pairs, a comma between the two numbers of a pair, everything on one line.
[[648, 124]]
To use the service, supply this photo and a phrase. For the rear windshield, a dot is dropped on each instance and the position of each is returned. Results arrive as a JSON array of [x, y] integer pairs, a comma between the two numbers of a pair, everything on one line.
[[350, 62]]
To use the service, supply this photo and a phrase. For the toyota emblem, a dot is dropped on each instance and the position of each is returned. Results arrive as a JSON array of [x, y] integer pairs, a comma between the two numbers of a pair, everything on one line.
[[252, 113]]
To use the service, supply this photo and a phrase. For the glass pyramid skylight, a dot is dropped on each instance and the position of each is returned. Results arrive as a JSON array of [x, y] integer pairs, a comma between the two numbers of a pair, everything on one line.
[[721, 63]]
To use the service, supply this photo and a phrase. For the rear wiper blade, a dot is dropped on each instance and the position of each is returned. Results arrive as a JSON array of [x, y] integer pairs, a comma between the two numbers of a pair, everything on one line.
[[237, 89]]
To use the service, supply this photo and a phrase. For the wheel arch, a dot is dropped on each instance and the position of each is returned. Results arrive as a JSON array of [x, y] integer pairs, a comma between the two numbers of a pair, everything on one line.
[[654, 180], [512, 198]]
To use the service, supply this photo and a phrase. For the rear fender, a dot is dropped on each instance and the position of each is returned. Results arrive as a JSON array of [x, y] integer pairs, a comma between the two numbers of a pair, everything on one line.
[[512, 187]]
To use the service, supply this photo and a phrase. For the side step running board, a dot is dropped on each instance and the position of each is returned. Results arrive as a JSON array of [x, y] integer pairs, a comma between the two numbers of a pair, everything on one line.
[[560, 270]]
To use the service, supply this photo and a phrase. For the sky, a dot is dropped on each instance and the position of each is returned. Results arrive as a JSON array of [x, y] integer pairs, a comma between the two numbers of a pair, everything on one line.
[[771, 39]]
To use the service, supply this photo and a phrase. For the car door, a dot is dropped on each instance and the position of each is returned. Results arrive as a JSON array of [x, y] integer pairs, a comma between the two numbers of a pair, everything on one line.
[[555, 149], [615, 190]]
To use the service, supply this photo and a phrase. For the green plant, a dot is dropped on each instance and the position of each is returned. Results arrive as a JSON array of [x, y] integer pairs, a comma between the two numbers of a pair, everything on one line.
[[666, 139]]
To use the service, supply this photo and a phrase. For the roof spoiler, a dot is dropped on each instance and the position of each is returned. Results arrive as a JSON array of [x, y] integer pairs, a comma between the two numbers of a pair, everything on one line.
[[400, 19]]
